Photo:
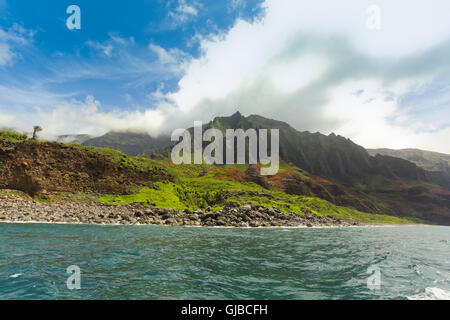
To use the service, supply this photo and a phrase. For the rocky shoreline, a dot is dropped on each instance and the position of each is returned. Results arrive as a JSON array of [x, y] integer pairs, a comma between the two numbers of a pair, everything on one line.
[[15, 209]]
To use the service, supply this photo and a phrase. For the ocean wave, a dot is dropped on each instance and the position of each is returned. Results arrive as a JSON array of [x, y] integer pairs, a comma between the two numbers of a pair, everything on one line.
[[212, 263], [431, 294]]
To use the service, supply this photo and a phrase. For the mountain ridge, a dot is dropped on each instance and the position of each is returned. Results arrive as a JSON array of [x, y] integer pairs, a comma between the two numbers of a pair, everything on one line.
[[428, 160], [46, 169], [391, 184], [334, 157]]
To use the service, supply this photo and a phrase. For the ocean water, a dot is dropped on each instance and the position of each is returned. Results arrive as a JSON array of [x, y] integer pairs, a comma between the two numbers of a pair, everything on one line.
[[152, 262]]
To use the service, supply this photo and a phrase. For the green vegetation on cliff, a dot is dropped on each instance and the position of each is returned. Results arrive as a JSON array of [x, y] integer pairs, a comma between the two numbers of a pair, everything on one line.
[[56, 171], [204, 186], [12, 136]]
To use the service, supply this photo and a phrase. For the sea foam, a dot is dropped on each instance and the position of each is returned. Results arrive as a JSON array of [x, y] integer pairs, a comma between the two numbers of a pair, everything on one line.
[[431, 294]]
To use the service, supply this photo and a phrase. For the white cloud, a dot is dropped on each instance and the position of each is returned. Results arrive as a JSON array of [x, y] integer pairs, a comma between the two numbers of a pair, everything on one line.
[[6, 120], [18, 106], [302, 62], [106, 49], [236, 4], [86, 117], [291, 65], [114, 42], [371, 118], [10, 39], [183, 12], [293, 75], [406, 26], [6, 54], [58, 114], [172, 56]]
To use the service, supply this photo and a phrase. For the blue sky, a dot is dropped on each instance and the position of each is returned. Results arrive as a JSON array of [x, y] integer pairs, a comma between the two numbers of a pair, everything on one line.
[[153, 65], [112, 34]]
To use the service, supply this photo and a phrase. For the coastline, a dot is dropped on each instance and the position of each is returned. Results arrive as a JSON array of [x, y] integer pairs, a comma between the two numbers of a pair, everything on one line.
[[359, 225], [18, 210]]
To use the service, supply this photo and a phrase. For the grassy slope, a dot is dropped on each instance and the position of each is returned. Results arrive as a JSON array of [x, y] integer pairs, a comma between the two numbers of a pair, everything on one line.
[[197, 186], [12, 136]]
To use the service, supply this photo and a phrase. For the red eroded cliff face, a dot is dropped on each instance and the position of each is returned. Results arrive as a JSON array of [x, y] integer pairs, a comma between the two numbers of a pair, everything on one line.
[[292, 183], [391, 196], [38, 168]]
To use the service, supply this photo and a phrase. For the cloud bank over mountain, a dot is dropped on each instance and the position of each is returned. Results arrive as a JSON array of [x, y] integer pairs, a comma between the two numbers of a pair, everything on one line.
[[315, 65]]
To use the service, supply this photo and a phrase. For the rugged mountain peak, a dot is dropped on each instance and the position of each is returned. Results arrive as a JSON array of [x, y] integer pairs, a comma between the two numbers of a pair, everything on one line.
[[260, 121], [330, 156], [237, 120], [237, 115]]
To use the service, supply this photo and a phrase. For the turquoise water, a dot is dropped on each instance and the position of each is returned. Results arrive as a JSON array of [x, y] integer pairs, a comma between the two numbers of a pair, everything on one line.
[[152, 262]]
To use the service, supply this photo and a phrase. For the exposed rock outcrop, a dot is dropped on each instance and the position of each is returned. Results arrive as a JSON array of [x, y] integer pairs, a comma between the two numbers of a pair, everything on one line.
[[16, 209], [40, 168]]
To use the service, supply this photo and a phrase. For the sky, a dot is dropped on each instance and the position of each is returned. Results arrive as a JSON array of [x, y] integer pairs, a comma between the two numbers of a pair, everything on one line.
[[377, 72]]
